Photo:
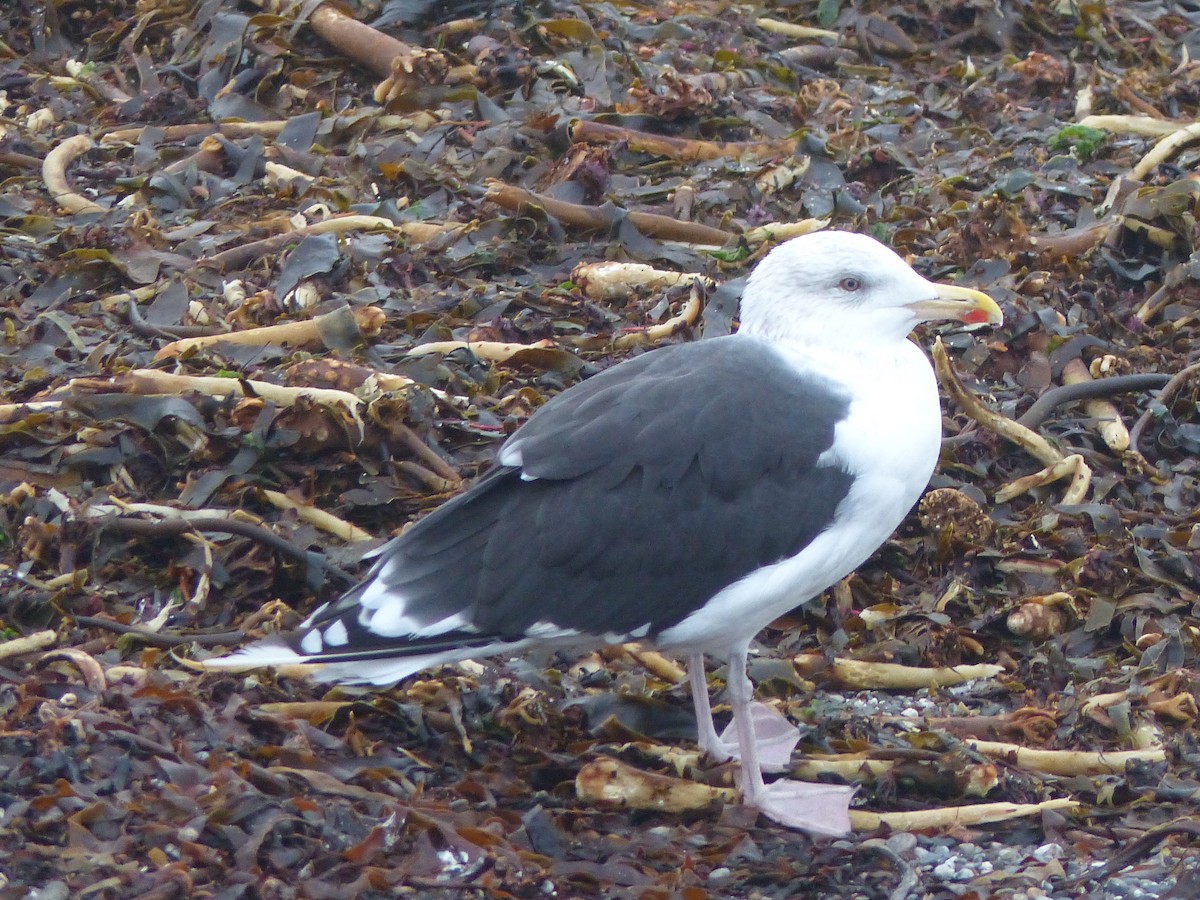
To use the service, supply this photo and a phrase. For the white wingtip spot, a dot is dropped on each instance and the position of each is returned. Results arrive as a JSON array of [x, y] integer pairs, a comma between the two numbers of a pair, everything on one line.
[[389, 621], [509, 456], [336, 635], [311, 642], [545, 631]]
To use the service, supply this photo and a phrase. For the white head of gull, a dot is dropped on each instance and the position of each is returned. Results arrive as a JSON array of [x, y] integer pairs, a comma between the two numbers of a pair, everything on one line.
[[684, 498]]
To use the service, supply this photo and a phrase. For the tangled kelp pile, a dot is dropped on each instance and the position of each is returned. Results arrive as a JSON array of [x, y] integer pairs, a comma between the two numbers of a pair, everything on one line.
[[261, 309]]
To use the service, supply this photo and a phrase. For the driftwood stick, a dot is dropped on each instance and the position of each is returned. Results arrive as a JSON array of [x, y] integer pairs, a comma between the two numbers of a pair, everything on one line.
[[344, 376], [613, 783], [305, 333], [435, 483], [1165, 149], [1108, 419], [493, 351], [1057, 465], [1145, 126], [585, 131], [369, 47], [380, 53], [318, 518], [427, 456], [172, 133], [1029, 441], [93, 676], [152, 381], [685, 319], [1074, 466], [1072, 242], [655, 663], [947, 817], [783, 231], [28, 643], [1066, 762], [797, 32], [415, 232], [592, 218], [864, 675], [611, 280], [54, 174]]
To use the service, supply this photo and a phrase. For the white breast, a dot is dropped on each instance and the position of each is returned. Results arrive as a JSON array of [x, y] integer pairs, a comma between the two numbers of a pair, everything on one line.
[[889, 441]]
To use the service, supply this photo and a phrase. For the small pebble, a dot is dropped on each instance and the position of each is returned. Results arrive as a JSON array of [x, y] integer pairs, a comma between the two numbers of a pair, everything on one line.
[[931, 855], [902, 843], [1008, 856], [949, 870], [1047, 852]]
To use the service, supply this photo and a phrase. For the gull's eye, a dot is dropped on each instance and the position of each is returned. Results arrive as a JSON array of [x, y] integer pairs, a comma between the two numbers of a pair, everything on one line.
[[850, 284]]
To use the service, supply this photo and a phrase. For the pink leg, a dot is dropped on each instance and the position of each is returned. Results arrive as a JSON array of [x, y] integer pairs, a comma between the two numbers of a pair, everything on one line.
[[711, 744], [820, 809], [775, 736]]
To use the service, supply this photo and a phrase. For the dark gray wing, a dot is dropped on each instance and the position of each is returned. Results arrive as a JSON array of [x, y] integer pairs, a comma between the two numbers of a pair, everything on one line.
[[647, 489]]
